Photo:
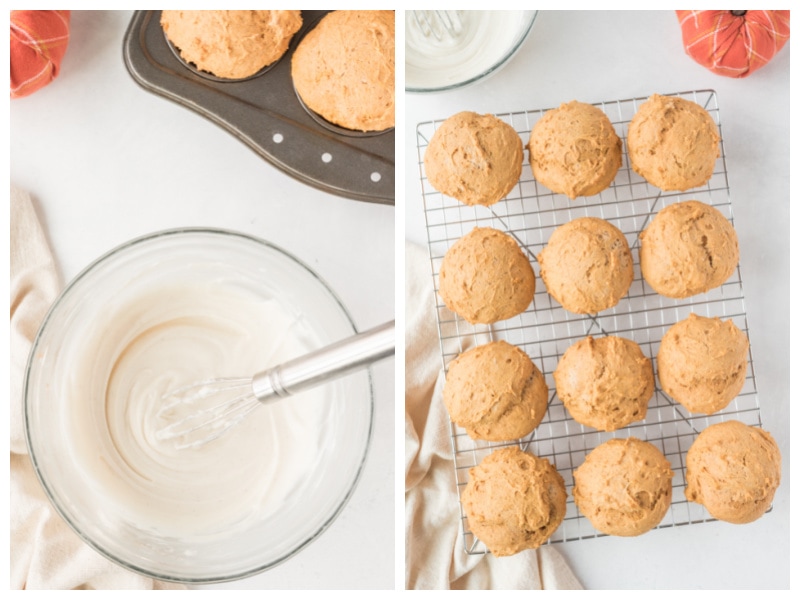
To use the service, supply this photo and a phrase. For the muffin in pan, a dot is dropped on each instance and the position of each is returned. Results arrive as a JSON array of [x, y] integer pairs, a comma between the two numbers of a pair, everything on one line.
[[344, 69], [231, 44]]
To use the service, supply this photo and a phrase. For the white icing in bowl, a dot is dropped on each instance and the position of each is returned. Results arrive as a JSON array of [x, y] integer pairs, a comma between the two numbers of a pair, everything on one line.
[[486, 42], [161, 312]]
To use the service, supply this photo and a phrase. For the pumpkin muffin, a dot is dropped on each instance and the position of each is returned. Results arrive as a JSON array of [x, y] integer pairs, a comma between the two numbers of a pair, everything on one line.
[[231, 44], [586, 265], [688, 248], [514, 501], [733, 470], [605, 382], [673, 143], [476, 159], [343, 69], [624, 487], [574, 150], [485, 277], [702, 363], [495, 392]]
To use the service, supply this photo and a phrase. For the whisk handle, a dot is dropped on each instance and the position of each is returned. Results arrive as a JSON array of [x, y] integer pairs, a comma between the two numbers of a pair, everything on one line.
[[326, 363]]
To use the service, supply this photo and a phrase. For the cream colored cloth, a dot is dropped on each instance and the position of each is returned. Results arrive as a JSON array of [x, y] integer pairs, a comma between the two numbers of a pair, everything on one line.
[[45, 552], [435, 556]]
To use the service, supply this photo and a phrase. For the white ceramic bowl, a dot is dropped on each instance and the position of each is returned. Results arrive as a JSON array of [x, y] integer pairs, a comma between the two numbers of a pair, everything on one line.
[[485, 42], [118, 506]]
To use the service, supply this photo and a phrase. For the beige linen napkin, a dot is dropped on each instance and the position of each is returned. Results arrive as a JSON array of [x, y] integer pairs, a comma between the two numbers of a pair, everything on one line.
[[45, 552], [435, 557]]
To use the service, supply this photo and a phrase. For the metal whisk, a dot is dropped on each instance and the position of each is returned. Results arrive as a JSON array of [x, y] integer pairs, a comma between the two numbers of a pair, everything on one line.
[[201, 412], [441, 24]]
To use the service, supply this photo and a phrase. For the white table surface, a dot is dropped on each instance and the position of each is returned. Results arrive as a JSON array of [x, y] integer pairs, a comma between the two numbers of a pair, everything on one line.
[[107, 161], [602, 56]]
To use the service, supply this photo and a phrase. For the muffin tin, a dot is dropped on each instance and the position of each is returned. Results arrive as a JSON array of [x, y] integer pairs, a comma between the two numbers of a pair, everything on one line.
[[265, 113], [530, 213]]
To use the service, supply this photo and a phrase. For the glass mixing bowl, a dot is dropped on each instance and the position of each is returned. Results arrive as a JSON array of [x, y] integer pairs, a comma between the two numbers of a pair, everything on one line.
[[148, 515], [484, 42]]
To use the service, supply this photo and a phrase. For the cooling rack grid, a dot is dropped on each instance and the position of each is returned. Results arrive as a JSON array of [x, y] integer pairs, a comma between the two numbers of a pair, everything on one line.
[[530, 213]]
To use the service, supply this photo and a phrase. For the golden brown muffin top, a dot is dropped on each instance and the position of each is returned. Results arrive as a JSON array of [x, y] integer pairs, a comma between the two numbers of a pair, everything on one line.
[[733, 470], [486, 277], [514, 501], [495, 392], [624, 487], [702, 363], [687, 249], [673, 143], [231, 44], [344, 69], [586, 265], [476, 159], [605, 382], [574, 150]]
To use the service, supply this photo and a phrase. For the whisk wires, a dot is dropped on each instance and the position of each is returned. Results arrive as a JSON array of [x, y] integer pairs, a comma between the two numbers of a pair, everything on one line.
[[200, 413], [440, 24]]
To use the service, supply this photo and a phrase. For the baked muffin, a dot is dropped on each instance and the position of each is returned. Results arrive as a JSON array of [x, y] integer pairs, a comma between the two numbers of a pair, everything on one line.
[[586, 265], [343, 69], [495, 392], [514, 501], [231, 44], [605, 382], [485, 277], [673, 143], [733, 470], [574, 150], [476, 159], [624, 487], [688, 248], [702, 363]]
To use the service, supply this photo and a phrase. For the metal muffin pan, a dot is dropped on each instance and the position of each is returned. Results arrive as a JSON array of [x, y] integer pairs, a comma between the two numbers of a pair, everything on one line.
[[265, 113]]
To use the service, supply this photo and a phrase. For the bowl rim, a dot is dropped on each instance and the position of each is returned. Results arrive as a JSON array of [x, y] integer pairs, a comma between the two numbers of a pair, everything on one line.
[[525, 34], [102, 259]]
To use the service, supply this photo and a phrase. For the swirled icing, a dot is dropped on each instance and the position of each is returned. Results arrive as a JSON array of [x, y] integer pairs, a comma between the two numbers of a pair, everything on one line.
[[172, 336]]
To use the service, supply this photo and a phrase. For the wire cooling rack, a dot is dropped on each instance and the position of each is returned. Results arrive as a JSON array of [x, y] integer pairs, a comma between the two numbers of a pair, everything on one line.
[[530, 213]]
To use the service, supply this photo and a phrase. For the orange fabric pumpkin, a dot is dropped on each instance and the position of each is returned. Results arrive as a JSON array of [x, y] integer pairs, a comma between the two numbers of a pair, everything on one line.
[[733, 43], [39, 40]]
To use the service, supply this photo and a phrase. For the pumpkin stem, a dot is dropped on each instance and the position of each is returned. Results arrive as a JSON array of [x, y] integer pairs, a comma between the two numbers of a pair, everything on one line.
[[738, 13]]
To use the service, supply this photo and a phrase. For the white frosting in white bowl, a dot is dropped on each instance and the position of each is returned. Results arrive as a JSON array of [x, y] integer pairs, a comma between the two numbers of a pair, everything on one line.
[[171, 337], [160, 313], [485, 39]]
